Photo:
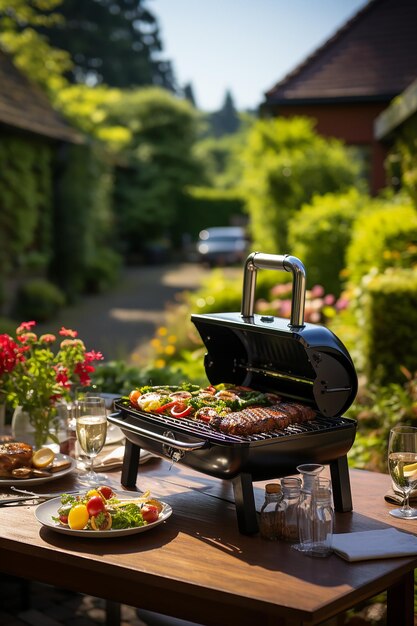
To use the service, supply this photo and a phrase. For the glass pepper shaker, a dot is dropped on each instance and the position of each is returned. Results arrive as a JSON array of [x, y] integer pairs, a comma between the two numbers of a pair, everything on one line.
[[291, 488], [272, 513]]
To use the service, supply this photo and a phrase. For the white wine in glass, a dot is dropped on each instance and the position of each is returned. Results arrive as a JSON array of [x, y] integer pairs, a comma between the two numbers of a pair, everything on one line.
[[91, 431], [402, 464]]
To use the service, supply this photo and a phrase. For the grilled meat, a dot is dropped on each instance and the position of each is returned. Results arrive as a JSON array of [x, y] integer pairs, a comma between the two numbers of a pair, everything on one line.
[[262, 419], [14, 455]]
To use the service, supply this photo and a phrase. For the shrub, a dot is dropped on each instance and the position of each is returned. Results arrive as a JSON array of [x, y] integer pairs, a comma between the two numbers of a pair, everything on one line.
[[384, 236], [390, 320], [285, 164], [320, 233], [38, 299], [102, 271]]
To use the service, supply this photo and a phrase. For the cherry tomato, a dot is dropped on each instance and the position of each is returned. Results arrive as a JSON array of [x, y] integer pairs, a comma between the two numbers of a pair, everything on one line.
[[133, 397], [63, 519], [150, 513], [106, 492], [78, 517], [103, 521], [95, 505]]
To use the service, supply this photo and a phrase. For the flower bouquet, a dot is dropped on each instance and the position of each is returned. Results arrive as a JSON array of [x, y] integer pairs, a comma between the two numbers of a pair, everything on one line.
[[37, 379]]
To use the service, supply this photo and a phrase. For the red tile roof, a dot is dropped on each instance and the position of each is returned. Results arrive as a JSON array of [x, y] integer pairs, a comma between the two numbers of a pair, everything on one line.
[[372, 57], [23, 105]]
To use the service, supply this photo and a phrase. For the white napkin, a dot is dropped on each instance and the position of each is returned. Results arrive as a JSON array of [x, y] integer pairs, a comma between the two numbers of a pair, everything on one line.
[[114, 459], [374, 544]]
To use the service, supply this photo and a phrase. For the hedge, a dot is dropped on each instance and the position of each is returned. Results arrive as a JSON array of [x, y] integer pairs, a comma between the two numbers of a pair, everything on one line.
[[383, 236], [320, 233], [390, 322], [203, 207]]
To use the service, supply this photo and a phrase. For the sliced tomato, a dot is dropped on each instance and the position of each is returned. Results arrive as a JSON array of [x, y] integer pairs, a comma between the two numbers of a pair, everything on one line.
[[150, 513], [105, 491], [63, 519], [181, 410], [165, 407]]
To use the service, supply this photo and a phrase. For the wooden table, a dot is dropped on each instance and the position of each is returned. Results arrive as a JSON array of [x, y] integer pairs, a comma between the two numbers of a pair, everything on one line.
[[199, 567]]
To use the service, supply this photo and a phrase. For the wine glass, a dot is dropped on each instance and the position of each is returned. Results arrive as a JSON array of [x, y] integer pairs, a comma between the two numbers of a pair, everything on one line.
[[91, 425], [402, 463]]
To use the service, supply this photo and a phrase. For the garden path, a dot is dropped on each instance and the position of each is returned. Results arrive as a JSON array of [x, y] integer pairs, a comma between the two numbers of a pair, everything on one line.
[[120, 322]]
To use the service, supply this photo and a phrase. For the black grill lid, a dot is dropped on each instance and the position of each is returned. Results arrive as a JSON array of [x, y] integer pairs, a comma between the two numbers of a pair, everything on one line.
[[304, 362]]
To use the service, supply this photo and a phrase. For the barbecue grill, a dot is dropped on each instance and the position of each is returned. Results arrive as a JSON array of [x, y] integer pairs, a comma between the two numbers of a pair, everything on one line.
[[299, 361]]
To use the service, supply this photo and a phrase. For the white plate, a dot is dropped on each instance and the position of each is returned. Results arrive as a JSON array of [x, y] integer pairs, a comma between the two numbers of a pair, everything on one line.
[[46, 510], [29, 482]]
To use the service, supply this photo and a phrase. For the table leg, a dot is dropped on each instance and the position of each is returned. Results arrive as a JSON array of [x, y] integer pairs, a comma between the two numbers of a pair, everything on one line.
[[245, 504], [342, 496], [130, 464], [400, 602], [113, 613]]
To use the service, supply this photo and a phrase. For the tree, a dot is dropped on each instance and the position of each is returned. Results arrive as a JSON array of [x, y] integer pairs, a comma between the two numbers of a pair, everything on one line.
[[226, 120], [115, 42], [20, 23], [161, 163], [189, 94]]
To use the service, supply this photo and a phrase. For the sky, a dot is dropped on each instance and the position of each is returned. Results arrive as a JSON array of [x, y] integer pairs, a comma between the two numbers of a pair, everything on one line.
[[245, 46]]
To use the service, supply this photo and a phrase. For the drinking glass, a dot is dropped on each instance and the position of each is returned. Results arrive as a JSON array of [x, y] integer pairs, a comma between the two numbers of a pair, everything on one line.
[[402, 464], [91, 425]]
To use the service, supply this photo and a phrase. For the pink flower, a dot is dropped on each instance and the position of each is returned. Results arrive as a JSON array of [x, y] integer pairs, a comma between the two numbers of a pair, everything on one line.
[[329, 300], [24, 326], [92, 355], [47, 338], [67, 332], [317, 291]]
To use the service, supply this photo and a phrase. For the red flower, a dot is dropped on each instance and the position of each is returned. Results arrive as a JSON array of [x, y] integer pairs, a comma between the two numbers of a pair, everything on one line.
[[10, 354], [67, 332]]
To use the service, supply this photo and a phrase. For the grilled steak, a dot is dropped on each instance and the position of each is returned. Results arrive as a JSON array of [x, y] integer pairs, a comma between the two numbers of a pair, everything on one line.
[[262, 419]]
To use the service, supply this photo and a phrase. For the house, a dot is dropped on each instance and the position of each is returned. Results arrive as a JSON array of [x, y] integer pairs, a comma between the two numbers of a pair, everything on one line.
[[350, 80]]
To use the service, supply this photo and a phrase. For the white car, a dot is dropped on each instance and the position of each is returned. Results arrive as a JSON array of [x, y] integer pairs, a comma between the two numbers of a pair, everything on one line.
[[223, 245]]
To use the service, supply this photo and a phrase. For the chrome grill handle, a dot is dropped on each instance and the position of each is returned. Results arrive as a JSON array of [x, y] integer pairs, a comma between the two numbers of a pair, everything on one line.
[[259, 260]]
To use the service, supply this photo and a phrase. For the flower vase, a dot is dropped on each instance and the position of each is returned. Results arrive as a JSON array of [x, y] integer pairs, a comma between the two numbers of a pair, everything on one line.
[[22, 429], [36, 428]]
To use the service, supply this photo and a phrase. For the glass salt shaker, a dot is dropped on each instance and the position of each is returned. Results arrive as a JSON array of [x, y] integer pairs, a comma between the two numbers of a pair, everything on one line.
[[272, 513], [291, 489], [323, 518], [309, 472]]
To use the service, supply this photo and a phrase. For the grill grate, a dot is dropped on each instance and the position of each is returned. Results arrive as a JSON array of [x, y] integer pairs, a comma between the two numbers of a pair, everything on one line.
[[204, 431]]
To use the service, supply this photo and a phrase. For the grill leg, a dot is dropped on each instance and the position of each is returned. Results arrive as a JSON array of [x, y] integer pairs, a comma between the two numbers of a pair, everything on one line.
[[130, 464], [247, 520], [342, 495]]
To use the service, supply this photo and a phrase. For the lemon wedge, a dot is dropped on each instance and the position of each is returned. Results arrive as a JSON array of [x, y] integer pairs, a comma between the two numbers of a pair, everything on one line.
[[410, 468], [42, 458]]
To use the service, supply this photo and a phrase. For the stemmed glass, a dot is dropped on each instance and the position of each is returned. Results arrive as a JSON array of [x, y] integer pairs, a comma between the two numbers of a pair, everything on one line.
[[402, 463], [91, 425]]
